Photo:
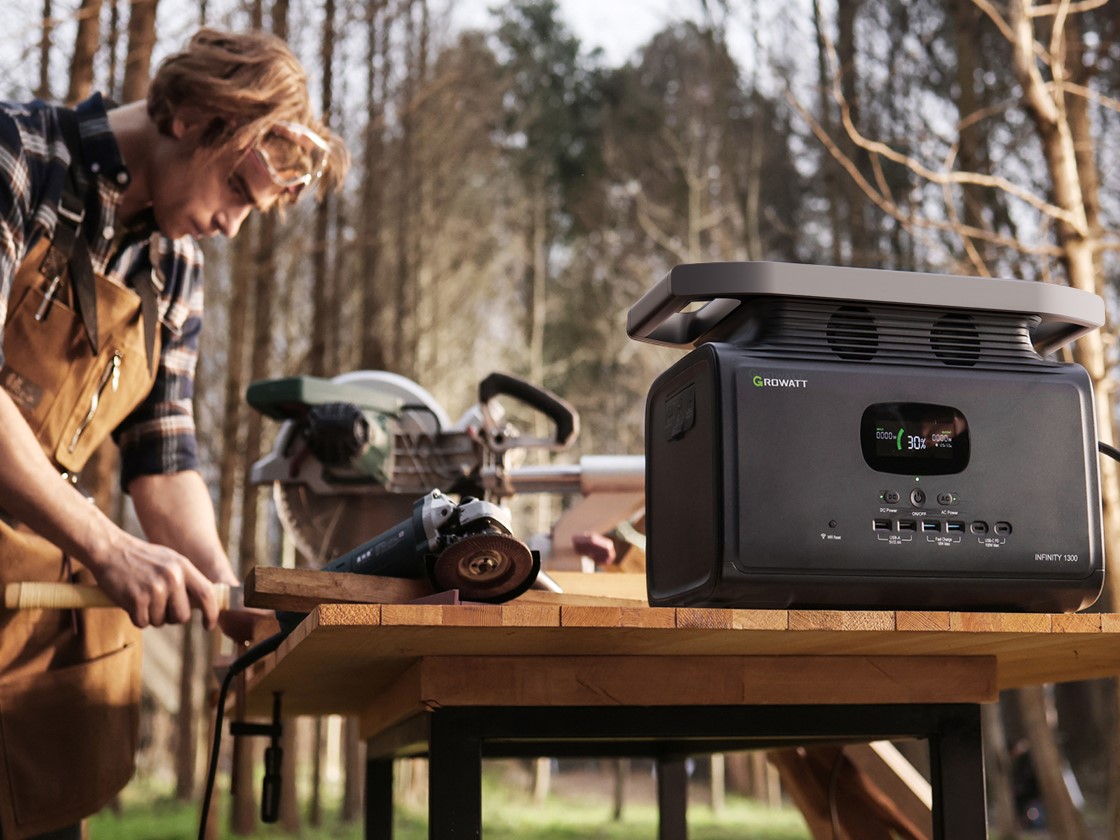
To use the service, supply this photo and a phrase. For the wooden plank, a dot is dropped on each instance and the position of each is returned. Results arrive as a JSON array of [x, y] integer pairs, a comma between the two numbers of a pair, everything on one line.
[[648, 617], [1076, 623], [841, 620], [301, 590], [576, 616], [1000, 622], [759, 619], [472, 615], [560, 599], [921, 621], [704, 619], [395, 702], [413, 615], [517, 614], [708, 680], [626, 586]]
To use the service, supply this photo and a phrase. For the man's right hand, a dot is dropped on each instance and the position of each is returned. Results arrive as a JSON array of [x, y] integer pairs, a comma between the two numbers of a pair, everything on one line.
[[154, 584]]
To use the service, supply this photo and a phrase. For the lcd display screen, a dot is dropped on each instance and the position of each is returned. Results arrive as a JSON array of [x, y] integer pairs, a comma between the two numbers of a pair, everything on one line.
[[914, 439]]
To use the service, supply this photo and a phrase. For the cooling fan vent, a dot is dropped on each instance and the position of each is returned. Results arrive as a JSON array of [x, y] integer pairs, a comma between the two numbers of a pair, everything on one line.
[[852, 334], [955, 340], [891, 335]]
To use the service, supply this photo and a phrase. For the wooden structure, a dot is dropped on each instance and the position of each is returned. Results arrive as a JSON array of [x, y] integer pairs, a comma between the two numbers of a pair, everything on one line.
[[534, 677]]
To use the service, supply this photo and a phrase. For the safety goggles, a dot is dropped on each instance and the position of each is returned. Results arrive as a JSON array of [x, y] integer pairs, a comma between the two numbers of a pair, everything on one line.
[[293, 155]]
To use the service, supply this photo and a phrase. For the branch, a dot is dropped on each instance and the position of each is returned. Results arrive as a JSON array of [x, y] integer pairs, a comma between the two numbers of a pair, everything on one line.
[[1071, 8], [874, 147], [909, 220], [1090, 94]]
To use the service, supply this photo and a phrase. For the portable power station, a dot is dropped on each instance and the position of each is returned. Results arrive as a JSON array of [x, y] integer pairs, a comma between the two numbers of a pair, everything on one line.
[[869, 439]]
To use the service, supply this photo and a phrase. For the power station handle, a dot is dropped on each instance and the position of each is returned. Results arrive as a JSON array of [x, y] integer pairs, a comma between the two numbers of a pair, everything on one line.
[[73, 596], [560, 412]]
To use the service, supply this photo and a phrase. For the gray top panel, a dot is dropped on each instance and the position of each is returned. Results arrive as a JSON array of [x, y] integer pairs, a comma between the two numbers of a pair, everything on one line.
[[1066, 314]]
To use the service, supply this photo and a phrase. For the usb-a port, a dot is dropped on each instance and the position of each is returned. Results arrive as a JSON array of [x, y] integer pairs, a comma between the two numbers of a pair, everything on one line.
[[954, 527], [930, 525], [881, 525], [907, 525]]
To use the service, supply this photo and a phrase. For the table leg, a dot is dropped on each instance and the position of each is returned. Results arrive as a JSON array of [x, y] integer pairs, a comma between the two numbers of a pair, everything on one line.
[[379, 799], [957, 770], [672, 799], [454, 777]]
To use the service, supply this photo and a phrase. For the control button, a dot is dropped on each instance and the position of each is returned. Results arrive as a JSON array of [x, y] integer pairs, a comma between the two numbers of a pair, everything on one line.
[[1002, 528], [891, 497], [917, 497], [979, 527], [946, 498]]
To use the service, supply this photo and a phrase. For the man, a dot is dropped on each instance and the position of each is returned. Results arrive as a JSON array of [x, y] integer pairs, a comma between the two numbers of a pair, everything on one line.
[[100, 301]]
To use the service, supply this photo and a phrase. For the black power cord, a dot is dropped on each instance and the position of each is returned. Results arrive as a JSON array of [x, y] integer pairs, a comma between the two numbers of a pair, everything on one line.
[[253, 654], [1111, 451]]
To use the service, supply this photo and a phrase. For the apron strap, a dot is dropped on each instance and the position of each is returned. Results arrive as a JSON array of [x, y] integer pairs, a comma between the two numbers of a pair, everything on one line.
[[71, 245]]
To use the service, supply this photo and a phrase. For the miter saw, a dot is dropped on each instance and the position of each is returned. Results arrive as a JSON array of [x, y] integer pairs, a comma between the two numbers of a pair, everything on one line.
[[356, 452]]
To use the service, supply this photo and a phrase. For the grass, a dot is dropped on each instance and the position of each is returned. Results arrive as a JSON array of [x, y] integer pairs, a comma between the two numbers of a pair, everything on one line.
[[508, 814]]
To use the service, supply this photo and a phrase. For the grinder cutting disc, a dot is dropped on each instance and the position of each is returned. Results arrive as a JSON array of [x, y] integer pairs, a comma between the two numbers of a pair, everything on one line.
[[485, 567]]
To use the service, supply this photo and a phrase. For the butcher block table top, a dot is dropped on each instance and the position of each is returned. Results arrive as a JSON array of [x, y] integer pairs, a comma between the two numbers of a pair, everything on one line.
[[384, 662]]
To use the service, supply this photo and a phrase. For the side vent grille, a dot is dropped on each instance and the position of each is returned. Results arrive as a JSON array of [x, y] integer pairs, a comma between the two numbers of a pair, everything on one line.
[[882, 334]]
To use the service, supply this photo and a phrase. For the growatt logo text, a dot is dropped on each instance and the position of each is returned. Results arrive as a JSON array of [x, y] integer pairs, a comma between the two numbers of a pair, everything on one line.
[[766, 382]]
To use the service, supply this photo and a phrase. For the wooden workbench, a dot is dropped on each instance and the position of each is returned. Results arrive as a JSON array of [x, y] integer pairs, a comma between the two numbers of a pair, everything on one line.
[[459, 682]]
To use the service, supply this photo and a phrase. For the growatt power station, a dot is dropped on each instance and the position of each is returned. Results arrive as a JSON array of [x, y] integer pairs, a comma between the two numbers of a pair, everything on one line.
[[869, 439]]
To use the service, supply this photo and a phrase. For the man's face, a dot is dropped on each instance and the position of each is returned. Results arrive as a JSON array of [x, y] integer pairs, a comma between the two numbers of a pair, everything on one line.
[[198, 193]]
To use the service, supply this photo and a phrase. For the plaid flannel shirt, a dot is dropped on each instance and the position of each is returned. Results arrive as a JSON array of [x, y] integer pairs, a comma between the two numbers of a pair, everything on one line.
[[159, 437]]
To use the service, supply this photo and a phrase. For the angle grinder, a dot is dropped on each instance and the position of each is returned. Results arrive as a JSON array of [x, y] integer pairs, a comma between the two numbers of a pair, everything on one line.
[[466, 546]]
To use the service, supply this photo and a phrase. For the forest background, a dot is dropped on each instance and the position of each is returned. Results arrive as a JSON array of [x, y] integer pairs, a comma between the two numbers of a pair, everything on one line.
[[514, 193]]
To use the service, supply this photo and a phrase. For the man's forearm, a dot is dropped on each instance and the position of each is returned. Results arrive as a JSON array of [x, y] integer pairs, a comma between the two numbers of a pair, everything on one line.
[[175, 510], [32, 491]]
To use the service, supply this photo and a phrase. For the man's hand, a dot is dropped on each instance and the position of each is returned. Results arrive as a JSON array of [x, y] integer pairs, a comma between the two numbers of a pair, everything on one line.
[[154, 584]]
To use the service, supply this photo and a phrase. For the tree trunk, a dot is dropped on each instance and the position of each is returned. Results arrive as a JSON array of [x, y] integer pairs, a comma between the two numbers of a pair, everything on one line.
[[1062, 817], [46, 33], [186, 749], [141, 40], [966, 25], [112, 86], [323, 320], [402, 296], [997, 760], [289, 798], [856, 203], [86, 43], [354, 753], [319, 743], [372, 352]]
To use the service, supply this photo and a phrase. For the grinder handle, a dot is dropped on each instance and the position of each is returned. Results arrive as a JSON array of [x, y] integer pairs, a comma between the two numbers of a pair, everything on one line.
[[559, 411]]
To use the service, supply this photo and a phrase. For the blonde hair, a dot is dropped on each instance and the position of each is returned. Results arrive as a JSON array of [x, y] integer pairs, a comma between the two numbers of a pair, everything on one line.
[[243, 83]]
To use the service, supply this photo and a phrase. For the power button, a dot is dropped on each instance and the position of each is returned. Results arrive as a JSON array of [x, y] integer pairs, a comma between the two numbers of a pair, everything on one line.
[[917, 497]]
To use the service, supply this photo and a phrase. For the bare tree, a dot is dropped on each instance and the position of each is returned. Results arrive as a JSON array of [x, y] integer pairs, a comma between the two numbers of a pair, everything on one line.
[[43, 91], [86, 44], [141, 41]]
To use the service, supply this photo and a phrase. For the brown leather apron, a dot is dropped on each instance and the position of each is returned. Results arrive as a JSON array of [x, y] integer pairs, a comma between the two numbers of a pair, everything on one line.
[[69, 681]]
